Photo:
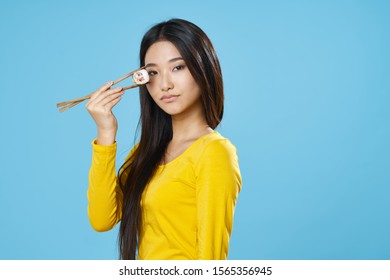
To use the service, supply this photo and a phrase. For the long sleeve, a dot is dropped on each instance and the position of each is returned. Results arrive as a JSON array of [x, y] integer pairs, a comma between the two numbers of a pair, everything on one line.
[[104, 195], [218, 182]]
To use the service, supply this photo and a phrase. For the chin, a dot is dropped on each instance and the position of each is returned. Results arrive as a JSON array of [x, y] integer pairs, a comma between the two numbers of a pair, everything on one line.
[[171, 110]]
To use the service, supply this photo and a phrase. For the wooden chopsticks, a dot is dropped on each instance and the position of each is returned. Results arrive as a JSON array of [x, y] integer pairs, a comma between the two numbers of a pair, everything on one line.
[[63, 106]]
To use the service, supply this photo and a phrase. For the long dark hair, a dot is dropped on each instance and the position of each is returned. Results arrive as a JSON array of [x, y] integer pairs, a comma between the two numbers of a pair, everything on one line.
[[156, 125]]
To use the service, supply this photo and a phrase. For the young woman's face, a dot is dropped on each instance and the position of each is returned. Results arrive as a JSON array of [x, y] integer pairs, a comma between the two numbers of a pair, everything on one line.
[[171, 84]]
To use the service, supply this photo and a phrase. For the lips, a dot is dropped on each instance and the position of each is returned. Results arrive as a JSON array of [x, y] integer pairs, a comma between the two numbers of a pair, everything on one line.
[[169, 98]]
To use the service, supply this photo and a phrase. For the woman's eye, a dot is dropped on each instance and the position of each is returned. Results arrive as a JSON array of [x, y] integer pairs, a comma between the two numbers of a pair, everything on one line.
[[152, 73], [179, 67]]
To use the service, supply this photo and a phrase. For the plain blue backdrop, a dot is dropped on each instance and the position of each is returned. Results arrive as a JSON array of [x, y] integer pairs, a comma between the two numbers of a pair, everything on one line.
[[311, 121]]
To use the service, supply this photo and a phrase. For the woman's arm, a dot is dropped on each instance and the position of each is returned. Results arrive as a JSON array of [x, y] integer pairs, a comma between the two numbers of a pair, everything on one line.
[[104, 195], [218, 185]]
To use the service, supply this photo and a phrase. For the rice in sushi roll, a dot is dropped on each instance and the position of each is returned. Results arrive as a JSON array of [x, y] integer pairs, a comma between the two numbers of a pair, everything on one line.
[[141, 77]]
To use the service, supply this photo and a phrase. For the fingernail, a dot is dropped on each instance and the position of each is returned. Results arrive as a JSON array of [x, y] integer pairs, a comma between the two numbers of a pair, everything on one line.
[[110, 83]]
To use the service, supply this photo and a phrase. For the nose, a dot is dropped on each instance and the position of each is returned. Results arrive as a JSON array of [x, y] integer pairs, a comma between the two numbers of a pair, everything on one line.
[[166, 81]]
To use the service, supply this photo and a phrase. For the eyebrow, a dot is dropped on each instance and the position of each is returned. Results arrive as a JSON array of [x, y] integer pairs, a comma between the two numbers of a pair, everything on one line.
[[170, 61]]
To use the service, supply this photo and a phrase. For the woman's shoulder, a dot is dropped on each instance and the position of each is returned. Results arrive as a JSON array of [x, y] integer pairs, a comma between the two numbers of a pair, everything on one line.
[[216, 139], [214, 145], [215, 153]]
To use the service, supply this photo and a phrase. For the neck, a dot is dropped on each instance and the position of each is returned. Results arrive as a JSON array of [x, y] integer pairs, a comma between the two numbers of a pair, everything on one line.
[[188, 127]]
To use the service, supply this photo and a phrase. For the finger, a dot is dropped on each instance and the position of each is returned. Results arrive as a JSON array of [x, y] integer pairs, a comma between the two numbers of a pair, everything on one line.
[[104, 96], [112, 103], [99, 97], [102, 89], [111, 97]]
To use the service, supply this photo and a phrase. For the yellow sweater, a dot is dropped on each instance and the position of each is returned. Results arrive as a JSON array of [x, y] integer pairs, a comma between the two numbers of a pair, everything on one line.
[[188, 206]]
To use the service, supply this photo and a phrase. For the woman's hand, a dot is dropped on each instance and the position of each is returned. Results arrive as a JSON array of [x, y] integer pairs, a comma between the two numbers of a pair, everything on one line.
[[100, 108]]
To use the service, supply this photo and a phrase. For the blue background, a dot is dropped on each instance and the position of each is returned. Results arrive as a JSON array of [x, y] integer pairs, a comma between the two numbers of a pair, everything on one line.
[[311, 121]]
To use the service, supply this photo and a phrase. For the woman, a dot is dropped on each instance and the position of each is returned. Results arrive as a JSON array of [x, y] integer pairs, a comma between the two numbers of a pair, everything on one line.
[[176, 192]]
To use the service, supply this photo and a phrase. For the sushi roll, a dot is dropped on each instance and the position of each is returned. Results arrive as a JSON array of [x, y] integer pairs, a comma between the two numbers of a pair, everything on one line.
[[141, 77]]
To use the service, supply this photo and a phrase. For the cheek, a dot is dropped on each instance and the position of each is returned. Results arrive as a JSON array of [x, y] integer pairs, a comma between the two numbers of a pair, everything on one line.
[[195, 89], [151, 89], [192, 85]]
